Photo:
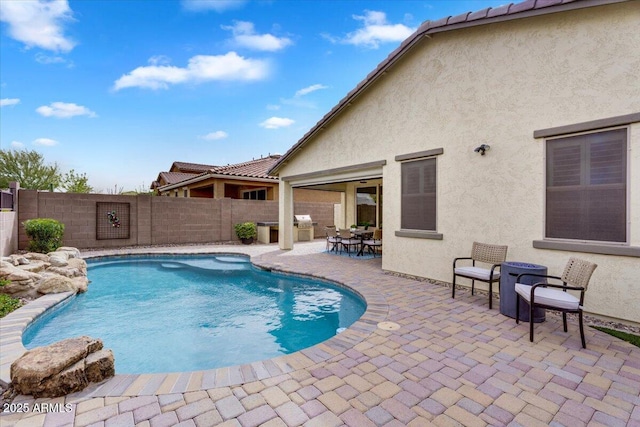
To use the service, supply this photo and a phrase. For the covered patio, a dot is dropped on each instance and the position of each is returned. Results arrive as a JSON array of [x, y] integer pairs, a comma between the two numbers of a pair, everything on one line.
[[360, 187], [416, 358]]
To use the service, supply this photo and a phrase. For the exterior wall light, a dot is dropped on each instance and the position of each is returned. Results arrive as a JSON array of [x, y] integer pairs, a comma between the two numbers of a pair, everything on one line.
[[481, 149]]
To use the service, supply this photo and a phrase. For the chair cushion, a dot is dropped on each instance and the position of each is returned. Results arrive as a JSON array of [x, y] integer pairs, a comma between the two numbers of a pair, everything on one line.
[[373, 242], [477, 273], [549, 296]]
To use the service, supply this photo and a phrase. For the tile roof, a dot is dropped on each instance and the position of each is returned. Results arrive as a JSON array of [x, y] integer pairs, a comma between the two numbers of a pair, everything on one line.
[[190, 167], [173, 177], [486, 16], [256, 168]]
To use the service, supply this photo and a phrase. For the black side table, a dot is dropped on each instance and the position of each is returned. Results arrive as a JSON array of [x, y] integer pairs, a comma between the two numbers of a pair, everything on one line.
[[509, 272]]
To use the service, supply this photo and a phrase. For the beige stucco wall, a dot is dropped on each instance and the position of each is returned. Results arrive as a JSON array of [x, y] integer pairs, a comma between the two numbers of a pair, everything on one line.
[[496, 84], [8, 233]]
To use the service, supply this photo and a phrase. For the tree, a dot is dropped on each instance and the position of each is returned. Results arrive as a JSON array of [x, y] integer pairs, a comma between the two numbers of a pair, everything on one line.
[[76, 183], [27, 168]]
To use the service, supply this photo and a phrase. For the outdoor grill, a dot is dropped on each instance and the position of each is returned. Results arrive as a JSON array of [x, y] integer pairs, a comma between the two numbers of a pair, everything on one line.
[[303, 228]]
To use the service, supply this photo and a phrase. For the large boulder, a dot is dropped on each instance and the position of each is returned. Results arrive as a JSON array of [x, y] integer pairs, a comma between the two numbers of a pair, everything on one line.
[[78, 263], [55, 283], [37, 256], [100, 365], [69, 251], [67, 271], [62, 368], [21, 282], [34, 274], [58, 260]]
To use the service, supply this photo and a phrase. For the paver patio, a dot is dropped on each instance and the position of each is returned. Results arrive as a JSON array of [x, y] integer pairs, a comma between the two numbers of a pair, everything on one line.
[[449, 362]]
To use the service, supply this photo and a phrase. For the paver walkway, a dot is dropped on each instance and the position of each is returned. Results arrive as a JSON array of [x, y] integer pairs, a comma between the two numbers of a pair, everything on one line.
[[448, 363]]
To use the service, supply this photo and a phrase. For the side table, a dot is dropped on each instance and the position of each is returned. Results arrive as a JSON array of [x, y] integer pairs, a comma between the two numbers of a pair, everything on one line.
[[509, 272]]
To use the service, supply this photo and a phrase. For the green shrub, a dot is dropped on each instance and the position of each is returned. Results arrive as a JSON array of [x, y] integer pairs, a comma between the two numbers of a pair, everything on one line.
[[8, 304], [45, 234], [246, 230]]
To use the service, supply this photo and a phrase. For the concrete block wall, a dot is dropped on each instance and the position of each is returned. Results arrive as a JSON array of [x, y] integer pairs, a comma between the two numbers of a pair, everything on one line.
[[321, 212], [177, 220], [156, 220]]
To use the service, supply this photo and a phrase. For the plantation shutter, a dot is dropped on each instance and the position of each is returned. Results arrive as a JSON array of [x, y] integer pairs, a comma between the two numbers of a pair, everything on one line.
[[419, 195], [587, 187]]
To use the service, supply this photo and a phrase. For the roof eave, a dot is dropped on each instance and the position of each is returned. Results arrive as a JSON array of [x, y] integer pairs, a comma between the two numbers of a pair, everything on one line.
[[205, 176]]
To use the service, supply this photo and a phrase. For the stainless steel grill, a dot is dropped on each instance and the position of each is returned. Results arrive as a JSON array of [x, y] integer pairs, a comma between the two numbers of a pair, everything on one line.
[[303, 228], [304, 221]]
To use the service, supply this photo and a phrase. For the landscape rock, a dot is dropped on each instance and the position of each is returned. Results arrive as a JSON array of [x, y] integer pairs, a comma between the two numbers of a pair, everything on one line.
[[80, 264], [100, 365], [34, 274], [81, 284], [65, 271], [62, 368], [58, 261], [35, 266], [37, 256], [69, 251], [54, 283]]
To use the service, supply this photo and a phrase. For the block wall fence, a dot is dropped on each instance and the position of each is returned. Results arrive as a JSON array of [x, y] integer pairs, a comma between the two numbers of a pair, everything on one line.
[[153, 220]]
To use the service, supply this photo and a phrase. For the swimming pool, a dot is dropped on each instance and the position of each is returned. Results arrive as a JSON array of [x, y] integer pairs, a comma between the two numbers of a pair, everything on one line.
[[196, 312]]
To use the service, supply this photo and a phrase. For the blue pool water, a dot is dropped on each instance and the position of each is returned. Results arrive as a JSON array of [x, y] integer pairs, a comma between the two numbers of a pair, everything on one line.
[[186, 313]]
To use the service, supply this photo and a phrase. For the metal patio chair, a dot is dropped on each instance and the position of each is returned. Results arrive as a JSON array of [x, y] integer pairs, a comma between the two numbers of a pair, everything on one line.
[[375, 243], [575, 277], [489, 255], [347, 241]]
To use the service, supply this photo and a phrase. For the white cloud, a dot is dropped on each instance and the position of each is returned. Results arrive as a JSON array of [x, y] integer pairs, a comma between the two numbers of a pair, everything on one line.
[[64, 110], [245, 35], [273, 107], [213, 136], [38, 23], [307, 90], [45, 142], [277, 123], [217, 5], [46, 59], [201, 68], [17, 144], [376, 30], [5, 102], [159, 60]]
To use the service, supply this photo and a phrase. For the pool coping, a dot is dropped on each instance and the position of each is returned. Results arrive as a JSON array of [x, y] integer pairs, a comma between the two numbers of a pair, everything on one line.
[[14, 324]]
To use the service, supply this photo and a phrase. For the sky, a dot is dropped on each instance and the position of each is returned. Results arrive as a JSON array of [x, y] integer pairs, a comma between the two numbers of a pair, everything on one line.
[[119, 90]]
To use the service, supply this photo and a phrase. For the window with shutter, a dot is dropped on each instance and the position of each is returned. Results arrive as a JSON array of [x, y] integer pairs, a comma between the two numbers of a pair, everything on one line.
[[419, 195], [586, 197]]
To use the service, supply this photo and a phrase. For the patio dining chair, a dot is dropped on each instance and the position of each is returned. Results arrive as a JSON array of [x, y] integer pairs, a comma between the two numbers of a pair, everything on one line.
[[347, 241], [333, 239], [575, 277], [375, 243], [490, 256]]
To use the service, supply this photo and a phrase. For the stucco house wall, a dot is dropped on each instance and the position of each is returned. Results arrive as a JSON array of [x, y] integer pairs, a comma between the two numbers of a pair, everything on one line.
[[495, 84]]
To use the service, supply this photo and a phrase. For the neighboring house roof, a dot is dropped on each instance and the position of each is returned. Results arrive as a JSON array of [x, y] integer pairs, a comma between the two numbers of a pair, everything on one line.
[[190, 167], [170, 178], [486, 16], [255, 169]]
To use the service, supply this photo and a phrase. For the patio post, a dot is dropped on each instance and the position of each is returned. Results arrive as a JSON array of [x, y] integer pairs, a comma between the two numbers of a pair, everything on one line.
[[285, 215]]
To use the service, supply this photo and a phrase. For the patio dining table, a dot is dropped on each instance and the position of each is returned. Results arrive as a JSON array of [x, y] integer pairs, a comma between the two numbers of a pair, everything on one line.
[[362, 234]]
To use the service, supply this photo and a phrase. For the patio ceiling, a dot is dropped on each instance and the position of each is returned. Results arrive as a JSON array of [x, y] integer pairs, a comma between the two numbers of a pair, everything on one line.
[[336, 179]]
